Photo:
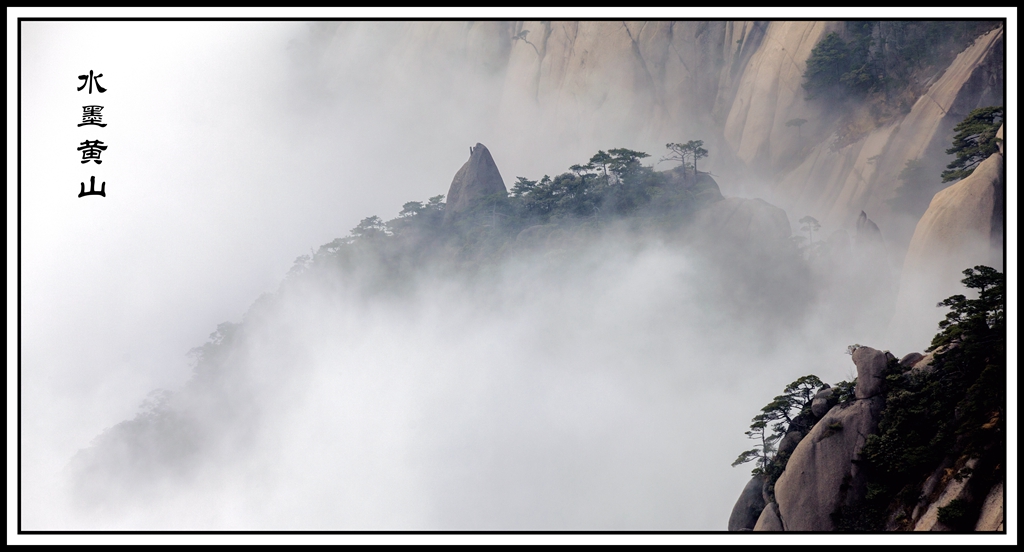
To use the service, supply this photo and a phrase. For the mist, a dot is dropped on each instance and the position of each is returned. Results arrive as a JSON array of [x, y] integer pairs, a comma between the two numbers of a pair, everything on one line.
[[604, 385]]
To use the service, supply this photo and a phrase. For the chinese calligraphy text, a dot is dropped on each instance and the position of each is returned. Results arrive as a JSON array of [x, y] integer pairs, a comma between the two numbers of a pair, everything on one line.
[[92, 115]]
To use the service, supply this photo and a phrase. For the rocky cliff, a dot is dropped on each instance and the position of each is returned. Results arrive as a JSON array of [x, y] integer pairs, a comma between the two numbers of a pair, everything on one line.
[[820, 472], [586, 85], [837, 180], [827, 484], [822, 475], [963, 227], [634, 80]]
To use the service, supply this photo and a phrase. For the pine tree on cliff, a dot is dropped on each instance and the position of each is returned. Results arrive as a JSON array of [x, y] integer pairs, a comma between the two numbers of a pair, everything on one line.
[[974, 141], [954, 410], [777, 415]]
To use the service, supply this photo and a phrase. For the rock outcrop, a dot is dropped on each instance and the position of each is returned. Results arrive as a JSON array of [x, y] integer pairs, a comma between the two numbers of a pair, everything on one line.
[[702, 188], [962, 228], [871, 365], [964, 217], [823, 401], [478, 180], [769, 519], [910, 359], [821, 475], [749, 506]]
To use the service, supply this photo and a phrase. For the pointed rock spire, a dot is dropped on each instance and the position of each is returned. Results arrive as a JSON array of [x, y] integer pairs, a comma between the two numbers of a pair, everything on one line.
[[476, 180]]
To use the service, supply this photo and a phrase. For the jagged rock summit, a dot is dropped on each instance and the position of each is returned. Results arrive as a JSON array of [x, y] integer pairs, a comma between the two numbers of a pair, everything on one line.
[[477, 180]]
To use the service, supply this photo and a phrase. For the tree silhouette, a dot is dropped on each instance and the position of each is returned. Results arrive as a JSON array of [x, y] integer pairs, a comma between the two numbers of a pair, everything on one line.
[[974, 141], [810, 225], [601, 159], [625, 161], [371, 228], [694, 150], [521, 35], [677, 152], [774, 422], [697, 152]]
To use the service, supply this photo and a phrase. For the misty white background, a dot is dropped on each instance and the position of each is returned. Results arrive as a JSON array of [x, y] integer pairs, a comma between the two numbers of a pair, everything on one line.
[[225, 163]]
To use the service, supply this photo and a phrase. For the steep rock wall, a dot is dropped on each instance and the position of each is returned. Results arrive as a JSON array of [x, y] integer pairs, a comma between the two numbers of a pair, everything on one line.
[[770, 94], [623, 82], [962, 227], [835, 183]]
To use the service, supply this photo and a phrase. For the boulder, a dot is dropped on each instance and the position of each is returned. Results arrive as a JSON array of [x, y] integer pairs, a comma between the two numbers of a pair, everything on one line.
[[769, 520], [748, 507], [823, 401], [477, 181], [910, 359], [820, 475], [790, 441], [924, 364], [871, 365]]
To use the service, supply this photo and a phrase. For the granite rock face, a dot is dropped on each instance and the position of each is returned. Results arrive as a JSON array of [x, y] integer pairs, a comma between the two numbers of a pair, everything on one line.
[[749, 506], [871, 365], [478, 180], [962, 228], [992, 516], [837, 177], [823, 401], [821, 474], [769, 519]]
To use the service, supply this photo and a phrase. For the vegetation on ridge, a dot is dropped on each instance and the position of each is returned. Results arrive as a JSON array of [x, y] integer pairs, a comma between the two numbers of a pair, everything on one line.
[[935, 418], [883, 57], [872, 72], [974, 141], [941, 416], [612, 186]]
